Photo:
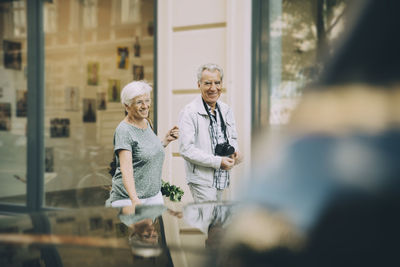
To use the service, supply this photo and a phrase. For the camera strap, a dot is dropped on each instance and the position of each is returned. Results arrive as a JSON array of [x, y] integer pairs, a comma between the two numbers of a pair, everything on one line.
[[223, 125]]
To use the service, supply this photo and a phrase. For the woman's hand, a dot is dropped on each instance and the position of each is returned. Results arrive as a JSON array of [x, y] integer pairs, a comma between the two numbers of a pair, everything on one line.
[[128, 210], [171, 135], [135, 201]]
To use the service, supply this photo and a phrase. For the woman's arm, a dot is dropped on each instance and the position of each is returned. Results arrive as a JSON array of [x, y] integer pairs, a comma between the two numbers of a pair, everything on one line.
[[125, 157]]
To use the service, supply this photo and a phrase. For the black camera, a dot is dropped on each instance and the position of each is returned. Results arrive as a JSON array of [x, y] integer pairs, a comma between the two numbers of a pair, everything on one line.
[[224, 149]]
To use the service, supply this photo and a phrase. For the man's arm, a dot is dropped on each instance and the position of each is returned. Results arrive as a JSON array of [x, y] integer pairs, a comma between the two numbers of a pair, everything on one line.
[[187, 147], [230, 118]]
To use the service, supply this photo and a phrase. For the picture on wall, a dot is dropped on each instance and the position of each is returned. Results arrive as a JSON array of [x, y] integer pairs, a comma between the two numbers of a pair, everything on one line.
[[101, 101], [59, 127], [89, 110], [123, 57], [12, 55], [150, 28], [49, 159], [22, 103], [93, 73], [72, 98], [138, 72], [1, 92], [136, 47], [114, 90], [5, 116]]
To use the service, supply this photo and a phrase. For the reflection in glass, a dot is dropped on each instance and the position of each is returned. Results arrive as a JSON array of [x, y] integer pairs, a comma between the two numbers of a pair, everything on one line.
[[13, 102], [301, 34], [211, 219], [82, 87], [144, 226]]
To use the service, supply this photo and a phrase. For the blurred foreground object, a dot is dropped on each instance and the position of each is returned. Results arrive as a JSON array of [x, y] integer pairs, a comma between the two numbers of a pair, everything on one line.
[[326, 191], [330, 195]]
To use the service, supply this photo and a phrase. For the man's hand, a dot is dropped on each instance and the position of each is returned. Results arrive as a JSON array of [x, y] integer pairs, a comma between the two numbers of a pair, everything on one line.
[[237, 157], [227, 163]]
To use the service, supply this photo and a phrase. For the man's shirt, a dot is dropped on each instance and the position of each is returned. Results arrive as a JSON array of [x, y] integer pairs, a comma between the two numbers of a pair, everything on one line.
[[221, 177]]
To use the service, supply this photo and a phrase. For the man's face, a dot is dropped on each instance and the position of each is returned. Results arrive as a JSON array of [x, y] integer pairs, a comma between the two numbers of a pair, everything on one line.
[[210, 86]]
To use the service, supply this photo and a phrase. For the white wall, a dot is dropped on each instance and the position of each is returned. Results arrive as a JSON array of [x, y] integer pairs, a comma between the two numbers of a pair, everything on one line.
[[191, 33]]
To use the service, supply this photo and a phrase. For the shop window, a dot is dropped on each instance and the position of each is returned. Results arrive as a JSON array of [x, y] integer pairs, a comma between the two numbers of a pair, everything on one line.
[[293, 38], [13, 103], [85, 70]]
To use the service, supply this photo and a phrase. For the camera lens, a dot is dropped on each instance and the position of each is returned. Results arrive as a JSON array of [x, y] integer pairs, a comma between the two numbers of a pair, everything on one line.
[[224, 149], [229, 150]]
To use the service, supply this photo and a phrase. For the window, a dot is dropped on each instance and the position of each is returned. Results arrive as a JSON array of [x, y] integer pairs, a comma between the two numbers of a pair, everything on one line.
[[290, 39]]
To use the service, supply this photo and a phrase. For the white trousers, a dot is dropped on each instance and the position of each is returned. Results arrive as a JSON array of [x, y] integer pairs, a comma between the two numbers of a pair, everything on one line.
[[203, 193], [156, 200]]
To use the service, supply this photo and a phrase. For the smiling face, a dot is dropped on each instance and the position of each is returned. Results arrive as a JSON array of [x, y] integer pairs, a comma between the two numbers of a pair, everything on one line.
[[210, 86], [139, 108]]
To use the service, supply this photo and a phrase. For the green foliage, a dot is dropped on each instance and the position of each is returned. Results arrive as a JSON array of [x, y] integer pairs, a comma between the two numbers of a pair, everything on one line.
[[174, 192]]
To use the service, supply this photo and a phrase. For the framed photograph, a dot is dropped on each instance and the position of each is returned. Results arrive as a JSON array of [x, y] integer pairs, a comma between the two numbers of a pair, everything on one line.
[[114, 90], [136, 47], [123, 57], [150, 28], [12, 55], [5, 116], [49, 159], [22, 103], [93, 73], [59, 127], [101, 101], [138, 72], [89, 110], [72, 98]]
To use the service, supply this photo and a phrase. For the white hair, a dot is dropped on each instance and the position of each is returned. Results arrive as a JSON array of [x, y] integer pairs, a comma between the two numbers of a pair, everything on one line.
[[134, 89], [210, 67]]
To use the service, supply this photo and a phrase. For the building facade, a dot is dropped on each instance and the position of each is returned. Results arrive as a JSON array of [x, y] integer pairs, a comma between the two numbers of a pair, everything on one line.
[[64, 63]]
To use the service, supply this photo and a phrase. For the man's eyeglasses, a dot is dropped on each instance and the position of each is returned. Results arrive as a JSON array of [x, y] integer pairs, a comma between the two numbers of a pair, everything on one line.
[[210, 83]]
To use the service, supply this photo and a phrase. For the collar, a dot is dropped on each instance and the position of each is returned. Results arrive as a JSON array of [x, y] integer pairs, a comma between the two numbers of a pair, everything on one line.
[[200, 106]]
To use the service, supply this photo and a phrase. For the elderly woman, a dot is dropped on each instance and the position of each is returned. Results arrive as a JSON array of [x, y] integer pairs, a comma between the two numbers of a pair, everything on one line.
[[138, 151]]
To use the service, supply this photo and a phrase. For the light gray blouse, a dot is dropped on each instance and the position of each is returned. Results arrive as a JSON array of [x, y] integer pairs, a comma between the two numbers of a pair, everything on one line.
[[147, 160]]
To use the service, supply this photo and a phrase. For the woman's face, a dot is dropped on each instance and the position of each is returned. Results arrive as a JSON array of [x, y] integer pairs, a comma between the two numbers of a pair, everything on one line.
[[139, 108], [146, 231]]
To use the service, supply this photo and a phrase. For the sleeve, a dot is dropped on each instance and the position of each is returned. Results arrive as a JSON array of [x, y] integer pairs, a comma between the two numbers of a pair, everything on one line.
[[122, 140], [187, 147], [233, 136]]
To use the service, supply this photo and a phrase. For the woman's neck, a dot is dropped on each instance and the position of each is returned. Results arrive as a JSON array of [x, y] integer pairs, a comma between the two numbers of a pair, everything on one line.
[[139, 123]]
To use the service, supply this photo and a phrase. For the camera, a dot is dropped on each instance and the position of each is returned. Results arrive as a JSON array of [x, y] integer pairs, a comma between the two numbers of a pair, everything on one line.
[[224, 149]]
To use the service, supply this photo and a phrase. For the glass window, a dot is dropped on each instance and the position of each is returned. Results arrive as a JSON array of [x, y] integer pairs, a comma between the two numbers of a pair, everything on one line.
[[290, 39], [13, 102], [85, 69], [305, 31]]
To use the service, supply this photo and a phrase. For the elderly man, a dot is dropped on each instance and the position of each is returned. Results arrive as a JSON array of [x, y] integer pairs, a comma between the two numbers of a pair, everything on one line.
[[208, 138]]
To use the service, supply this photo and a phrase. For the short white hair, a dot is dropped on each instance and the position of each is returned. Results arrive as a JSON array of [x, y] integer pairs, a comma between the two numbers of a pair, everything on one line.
[[210, 67], [134, 89]]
